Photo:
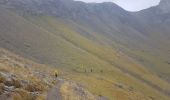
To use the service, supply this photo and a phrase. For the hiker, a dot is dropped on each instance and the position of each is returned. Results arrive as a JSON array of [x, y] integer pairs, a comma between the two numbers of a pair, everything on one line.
[[56, 73]]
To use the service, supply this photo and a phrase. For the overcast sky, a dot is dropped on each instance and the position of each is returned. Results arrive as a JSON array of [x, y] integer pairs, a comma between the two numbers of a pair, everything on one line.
[[131, 5]]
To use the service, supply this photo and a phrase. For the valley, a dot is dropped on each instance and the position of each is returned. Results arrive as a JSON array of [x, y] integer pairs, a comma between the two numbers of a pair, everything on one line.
[[104, 54]]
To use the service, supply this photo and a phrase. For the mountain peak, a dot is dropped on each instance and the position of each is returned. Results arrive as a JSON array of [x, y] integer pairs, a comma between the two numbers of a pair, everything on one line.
[[164, 6], [61, 8]]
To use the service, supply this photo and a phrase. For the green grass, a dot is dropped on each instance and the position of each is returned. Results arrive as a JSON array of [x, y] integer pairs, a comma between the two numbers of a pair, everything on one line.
[[97, 57], [52, 41]]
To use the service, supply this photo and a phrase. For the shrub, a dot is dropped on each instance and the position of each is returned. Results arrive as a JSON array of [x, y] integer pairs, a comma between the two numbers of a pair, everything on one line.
[[21, 94], [33, 87], [1, 88], [16, 96], [40, 98], [2, 79], [13, 82], [16, 83]]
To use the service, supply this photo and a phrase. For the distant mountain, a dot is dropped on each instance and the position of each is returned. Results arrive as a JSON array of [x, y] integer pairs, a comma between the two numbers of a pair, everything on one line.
[[95, 43], [164, 6], [156, 22]]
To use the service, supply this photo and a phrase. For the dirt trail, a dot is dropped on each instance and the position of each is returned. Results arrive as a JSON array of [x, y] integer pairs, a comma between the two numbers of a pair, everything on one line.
[[68, 90], [54, 93]]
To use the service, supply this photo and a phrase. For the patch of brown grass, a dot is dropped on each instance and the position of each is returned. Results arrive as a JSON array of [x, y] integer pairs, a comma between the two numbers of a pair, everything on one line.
[[34, 87], [41, 97], [1, 88], [13, 82], [16, 83], [21, 94], [2, 79]]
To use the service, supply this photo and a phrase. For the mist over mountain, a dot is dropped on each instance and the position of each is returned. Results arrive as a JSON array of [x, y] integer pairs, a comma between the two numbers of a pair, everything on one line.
[[100, 42], [164, 6]]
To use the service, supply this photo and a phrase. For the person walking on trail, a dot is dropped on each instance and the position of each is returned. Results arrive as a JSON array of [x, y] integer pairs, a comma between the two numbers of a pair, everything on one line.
[[56, 73]]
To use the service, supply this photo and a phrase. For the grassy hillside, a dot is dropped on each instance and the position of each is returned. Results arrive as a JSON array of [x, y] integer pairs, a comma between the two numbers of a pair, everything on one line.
[[150, 48], [23, 79], [104, 70]]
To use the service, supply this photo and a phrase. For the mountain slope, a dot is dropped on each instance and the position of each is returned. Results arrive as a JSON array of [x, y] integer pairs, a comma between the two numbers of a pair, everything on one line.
[[156, 25], [22, 79], [94, 45]]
